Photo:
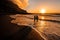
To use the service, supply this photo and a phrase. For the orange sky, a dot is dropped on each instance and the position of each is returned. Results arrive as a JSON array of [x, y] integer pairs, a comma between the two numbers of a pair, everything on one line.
[[21, 3], [34, 6], [51, 6], [48, 9]]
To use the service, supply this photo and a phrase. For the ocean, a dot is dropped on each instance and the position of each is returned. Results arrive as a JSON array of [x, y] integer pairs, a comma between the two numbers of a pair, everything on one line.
[[48, 27]]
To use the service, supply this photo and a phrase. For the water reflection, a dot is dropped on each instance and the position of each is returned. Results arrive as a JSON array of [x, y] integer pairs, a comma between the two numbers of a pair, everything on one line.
[[41, 24], [42, 17]]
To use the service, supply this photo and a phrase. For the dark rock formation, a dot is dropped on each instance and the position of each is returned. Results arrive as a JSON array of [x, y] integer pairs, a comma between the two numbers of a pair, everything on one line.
[[8, 7]]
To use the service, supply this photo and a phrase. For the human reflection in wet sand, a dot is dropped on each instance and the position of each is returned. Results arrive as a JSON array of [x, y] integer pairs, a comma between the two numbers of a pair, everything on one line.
[[35, 19]]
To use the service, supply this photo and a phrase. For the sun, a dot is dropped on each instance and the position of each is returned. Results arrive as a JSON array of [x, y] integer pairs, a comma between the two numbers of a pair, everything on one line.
[[42, 11]]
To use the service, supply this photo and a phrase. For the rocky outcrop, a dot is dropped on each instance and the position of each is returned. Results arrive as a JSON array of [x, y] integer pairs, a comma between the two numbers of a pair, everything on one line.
[[8, 7]]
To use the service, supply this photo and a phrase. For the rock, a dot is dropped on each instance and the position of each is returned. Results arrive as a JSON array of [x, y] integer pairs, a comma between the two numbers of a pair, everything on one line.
[[8, 7]]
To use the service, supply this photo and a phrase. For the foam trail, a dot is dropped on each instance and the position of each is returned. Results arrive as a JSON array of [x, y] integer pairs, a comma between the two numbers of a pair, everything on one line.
[[40, 33]]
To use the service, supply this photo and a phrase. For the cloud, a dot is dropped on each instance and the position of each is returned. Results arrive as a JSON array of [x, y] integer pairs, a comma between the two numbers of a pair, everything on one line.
[[21, 3]]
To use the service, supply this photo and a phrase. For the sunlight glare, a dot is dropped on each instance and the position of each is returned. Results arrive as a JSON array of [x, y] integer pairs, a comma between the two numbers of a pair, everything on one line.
[[42, 17], [42, 11]]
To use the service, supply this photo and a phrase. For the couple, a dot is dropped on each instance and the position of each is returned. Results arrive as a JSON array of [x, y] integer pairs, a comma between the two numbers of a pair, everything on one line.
[[35, 18]]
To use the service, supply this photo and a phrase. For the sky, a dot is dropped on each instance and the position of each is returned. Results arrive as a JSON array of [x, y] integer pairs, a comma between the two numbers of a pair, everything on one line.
[[34, 6], [21, 3], [51, 6]]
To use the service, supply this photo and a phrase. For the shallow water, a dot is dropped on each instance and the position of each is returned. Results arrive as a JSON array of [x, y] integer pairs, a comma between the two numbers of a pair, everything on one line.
[[48, 27]]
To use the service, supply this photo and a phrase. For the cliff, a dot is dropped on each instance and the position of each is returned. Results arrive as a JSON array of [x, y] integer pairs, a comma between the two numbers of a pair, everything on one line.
[[8, 7]]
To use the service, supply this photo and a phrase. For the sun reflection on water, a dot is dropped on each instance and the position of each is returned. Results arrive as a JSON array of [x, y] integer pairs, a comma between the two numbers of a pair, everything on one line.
[[41, 24], [42, 17]]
